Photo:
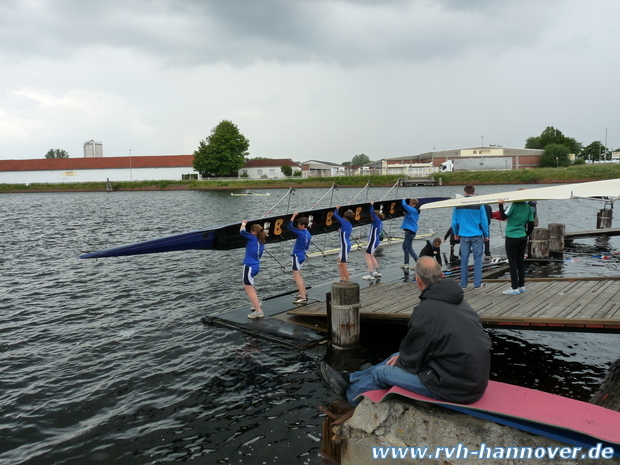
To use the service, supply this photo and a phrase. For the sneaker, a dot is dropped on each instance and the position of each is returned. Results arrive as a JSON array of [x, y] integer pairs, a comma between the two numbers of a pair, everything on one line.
[[488, 258], [511, 291], [369, 277], [300, 301], [334, 379], [521, 290], [376, 274], [405, 266], [256, 314], [481, 285]]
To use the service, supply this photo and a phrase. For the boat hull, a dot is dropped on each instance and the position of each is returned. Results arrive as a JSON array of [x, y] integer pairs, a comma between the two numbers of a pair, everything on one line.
[[227, 237]]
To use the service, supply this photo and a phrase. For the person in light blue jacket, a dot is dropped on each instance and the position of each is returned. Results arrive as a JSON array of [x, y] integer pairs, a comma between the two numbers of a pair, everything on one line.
[[410, 227], [471, 227]]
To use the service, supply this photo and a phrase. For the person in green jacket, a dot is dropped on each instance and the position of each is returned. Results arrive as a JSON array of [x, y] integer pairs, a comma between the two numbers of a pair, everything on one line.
[[520, 219]]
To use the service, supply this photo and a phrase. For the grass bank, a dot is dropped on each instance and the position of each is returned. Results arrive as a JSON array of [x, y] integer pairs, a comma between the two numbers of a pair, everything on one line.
[[577, 173]]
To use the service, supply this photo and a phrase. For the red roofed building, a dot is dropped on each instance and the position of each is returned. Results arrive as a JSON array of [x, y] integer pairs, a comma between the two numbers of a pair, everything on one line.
[[98, 169], [268, 168]]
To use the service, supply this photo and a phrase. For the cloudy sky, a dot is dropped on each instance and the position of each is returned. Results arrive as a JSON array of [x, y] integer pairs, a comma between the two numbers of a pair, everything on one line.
[[305, 79]]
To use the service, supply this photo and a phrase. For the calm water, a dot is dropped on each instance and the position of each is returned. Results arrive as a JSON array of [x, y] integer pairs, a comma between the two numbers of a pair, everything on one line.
[[107, 361]]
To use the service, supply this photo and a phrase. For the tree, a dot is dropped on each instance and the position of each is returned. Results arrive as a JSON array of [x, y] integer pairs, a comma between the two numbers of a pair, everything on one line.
[[552, 135], [223, 152], [360, 160], [286, 170], [555, 155], [56, 153], [595, 151]]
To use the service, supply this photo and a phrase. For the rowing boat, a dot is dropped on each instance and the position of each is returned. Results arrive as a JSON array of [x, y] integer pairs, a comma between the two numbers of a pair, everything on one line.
[[227, 236], [607, 190], [250, 194]]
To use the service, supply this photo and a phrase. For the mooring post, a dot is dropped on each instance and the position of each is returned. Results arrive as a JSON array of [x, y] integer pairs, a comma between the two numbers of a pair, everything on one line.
[[345, 315], [539, 243], [603, 218], [557, 231]]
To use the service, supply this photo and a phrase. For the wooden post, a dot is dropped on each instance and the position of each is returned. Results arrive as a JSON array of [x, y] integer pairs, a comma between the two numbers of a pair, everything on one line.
[[539, 244], [557, 232], [603, 219], [345, 315]]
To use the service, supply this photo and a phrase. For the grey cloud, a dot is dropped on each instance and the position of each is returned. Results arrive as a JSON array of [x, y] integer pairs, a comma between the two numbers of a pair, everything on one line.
[[191, 33]]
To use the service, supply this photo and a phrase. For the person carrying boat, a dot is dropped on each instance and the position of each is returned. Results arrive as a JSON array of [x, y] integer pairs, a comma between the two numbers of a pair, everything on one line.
[[374, 237], [446, 353], [519, 226], [302, 244], [251, 263], [344, 238], [471, 227], [433, 249], [410, 227]]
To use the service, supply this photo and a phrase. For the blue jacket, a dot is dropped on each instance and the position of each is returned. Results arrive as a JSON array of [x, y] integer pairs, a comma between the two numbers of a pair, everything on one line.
[[345, 229], [253, 249], [375, 227], [302, 243], [410, 221], [470, 221]]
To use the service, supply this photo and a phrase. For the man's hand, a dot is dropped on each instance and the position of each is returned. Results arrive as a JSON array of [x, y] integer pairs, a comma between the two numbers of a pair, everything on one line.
[[392, 361]]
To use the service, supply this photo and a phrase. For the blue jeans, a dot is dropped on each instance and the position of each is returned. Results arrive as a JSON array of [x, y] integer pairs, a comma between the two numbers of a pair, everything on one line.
[[408, 246], [473, 244], [382, 376]]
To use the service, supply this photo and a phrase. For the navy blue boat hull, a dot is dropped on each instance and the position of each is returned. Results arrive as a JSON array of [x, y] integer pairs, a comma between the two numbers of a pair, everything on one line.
[[227, 237]]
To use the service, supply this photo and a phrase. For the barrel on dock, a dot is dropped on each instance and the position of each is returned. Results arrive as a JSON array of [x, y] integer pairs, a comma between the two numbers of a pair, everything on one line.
[[345, 315]]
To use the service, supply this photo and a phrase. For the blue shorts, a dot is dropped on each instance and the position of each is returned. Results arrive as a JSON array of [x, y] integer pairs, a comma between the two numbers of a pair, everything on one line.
[[343, 255], [249, 272], [298, 260]]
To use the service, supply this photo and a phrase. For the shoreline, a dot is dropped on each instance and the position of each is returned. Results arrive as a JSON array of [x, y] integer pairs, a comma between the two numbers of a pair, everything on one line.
[[327, 183]]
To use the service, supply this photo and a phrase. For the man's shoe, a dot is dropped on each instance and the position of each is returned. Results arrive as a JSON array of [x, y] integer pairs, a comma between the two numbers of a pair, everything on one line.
[[300, 301], [511, 291], [368, 277], [256, 314], [487, 258], [521, 289], [405, 266], [334, 379], [376, 274]]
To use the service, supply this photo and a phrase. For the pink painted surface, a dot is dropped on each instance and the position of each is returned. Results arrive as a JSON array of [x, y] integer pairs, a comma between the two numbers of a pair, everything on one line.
[[529, 404]]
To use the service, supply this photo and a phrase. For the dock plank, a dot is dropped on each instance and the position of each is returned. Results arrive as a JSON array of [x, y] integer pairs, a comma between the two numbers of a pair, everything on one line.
[[548, 303]]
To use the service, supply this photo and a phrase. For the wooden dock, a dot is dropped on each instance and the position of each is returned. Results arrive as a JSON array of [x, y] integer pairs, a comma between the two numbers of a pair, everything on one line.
[[569, 236], [587, 304]]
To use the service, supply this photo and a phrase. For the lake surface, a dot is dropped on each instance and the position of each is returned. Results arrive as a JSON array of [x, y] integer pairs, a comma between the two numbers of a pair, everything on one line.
[[107, 361]]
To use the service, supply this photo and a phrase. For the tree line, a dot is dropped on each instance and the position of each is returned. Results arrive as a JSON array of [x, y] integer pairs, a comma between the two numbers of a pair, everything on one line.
[[558, 148]]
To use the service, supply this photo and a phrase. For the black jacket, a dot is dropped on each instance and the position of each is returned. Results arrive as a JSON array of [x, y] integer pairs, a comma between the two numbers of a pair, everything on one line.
[[430, 250], [446, 345]]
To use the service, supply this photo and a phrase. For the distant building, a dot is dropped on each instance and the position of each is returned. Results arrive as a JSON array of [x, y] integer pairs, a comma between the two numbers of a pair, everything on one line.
[[320, 169], [93, 149], [426, 163], [58, 170], [267, 168]]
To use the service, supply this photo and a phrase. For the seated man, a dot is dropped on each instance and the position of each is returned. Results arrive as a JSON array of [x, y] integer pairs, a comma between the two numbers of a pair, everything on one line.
[[446, 353]]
